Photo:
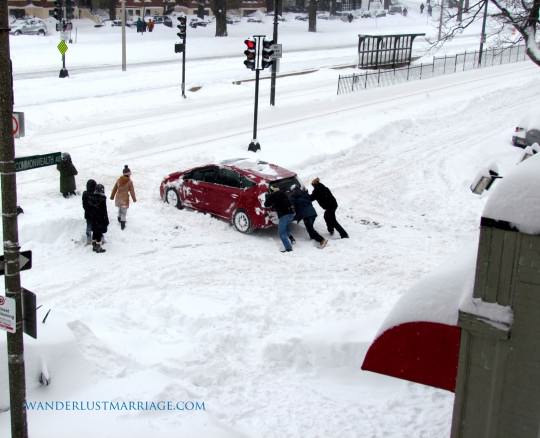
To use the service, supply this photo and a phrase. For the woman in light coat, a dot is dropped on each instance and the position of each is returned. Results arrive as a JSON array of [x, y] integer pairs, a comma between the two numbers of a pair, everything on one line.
[[121, 192]]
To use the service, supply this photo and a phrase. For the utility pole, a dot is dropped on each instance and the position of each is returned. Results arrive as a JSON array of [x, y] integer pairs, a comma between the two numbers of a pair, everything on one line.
[[123, 35], [483, 35], [15, 345], [275, 64]]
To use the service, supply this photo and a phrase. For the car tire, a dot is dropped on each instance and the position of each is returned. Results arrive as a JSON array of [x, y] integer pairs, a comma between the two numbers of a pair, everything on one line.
[[41, 32], [242, 222], [17, 32], [172, 198]]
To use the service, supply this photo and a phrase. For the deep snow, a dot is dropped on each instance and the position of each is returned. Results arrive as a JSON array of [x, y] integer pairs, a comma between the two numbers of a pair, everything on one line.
[[181, 306]]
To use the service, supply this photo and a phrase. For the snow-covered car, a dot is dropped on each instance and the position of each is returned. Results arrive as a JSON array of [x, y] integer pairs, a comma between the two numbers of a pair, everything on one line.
[[234, 190], [233, 19], [301, 18], [395, 9], [115, 23], [198, 22], [528, 131], [254, 20], [30, 26]]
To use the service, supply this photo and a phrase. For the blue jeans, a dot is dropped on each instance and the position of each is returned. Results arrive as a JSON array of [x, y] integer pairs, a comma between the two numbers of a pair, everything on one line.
[[283, 229]]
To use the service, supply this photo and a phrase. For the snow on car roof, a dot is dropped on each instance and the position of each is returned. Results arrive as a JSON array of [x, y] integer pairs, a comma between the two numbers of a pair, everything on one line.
[[516, 197], [260, 168]]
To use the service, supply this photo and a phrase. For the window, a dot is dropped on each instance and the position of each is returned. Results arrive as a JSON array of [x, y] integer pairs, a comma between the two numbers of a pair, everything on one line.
[[228, 178], [206, 174]]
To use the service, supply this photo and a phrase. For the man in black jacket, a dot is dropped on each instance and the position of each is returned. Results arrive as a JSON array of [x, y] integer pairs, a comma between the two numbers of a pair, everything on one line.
[[328, 203], [278, 201]]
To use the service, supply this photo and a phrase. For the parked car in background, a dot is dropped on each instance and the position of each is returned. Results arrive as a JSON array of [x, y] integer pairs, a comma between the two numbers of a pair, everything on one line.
[[528, 131], [115, 23], [167, 21], [233, 19], [395, 9], [28, 26], [380, 13], [301, 18], [199, 22], [254, 20], [234, 190]]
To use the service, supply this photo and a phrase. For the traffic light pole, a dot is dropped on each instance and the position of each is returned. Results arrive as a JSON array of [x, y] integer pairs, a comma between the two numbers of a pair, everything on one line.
[[184, 68], [12, 280], [63, 72], [254, 146], [274, 64]]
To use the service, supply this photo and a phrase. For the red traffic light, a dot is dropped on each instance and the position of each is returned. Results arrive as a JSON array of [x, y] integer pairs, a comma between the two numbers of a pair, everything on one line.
[[250, 44]]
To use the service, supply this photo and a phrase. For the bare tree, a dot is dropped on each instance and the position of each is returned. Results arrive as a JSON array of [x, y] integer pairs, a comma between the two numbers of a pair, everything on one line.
[[312, 16], [521, 15], [219, 8]]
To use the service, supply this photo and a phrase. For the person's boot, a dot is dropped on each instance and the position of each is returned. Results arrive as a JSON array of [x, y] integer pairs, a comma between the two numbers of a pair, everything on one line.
[[98, 248], [122, 224], [292, 239], [118, 217]]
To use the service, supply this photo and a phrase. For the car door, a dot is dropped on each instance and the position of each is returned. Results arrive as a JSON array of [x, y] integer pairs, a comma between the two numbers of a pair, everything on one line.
[[197, 186], [226, 193]]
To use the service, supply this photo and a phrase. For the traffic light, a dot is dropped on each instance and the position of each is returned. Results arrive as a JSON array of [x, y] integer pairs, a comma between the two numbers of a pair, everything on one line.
[[58, 12], [181, 28], [267, 53], [69, 9], [250, 54]]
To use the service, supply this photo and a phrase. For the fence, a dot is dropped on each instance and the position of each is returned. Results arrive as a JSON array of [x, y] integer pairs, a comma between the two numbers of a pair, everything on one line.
[[439, 66]]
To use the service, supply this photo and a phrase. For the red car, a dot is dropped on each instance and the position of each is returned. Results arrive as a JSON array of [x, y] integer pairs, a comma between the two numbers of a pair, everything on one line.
[[234, 190]]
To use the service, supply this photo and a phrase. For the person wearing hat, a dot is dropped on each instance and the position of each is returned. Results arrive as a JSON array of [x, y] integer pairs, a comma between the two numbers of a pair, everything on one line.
[[278, 201], [121, 192], [90, 189], [67, 176], [328, 203], [98, 217], [305, 212]]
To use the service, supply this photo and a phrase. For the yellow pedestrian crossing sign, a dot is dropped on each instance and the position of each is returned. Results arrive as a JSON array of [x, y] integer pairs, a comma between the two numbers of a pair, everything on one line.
[[62, 47]]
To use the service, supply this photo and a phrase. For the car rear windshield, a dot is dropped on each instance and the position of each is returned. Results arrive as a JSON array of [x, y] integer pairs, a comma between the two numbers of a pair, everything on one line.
[[286, 184]]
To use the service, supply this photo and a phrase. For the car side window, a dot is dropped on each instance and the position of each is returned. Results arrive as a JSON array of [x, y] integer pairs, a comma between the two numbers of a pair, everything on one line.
[[246, 183], [228, 178]]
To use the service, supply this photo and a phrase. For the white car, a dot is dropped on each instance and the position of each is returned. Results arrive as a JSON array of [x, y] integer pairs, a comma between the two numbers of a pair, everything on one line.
[[29, 26], [527, 132]]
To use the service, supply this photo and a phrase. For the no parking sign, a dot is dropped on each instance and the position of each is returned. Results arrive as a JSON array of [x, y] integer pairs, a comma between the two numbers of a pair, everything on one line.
[[18, 124]]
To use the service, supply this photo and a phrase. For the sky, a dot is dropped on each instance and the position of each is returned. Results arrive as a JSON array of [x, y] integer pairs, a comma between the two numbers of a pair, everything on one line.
[[181, 307]]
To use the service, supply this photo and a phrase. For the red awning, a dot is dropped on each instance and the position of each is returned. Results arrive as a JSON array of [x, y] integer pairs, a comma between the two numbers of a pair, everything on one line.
[[422, 352]]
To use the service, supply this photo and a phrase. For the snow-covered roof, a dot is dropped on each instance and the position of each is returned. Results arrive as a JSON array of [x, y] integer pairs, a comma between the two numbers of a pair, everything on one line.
[[437, 297], [516, 197]]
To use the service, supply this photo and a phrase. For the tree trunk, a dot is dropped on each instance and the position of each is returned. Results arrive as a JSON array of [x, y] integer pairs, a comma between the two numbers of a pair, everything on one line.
[[112, 9], [220, 11], [459, 16], [332, 7], [269, 5], [312, 16]]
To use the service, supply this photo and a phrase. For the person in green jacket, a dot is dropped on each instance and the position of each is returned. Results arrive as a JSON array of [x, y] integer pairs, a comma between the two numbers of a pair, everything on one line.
[[67, 176]]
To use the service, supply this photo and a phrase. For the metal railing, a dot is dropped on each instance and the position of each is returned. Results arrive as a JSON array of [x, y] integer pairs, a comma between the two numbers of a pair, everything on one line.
[[439, 66]]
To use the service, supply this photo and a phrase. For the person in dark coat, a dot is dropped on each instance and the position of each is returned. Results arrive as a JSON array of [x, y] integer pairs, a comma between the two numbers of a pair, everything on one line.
[[421, 8], [429, 10], [328, 203], [90, 188], [99, 219], [140, 25], [305, 212], [279, 202], [67, 176]]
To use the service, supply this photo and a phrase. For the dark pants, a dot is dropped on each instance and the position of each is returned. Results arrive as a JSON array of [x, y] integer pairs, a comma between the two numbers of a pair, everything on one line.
[[308, 222], [96, 236], [332, 223]]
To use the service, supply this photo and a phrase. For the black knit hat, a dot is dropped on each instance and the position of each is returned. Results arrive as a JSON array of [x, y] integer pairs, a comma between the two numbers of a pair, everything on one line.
[[126, 171]]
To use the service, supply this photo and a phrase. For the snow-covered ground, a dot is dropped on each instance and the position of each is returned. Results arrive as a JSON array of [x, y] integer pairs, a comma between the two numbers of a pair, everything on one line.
[[183, 308]]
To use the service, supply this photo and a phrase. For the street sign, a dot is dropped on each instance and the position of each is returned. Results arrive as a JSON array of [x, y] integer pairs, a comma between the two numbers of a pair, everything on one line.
[[25, 262], [8, 320], [35, 161], [29, 313], [18, 124], [62, 47], [277, 51]]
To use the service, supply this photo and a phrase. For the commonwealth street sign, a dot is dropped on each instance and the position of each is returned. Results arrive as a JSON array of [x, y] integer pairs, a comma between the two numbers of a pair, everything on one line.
[[35, 161]]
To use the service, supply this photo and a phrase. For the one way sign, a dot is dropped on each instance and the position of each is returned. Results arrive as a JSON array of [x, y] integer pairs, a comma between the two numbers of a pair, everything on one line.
[[25, 262]]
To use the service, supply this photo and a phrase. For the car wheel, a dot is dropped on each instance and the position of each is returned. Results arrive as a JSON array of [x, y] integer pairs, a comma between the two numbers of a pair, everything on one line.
[[172, 198], [241, 221], [17, 32], [41, 32]]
